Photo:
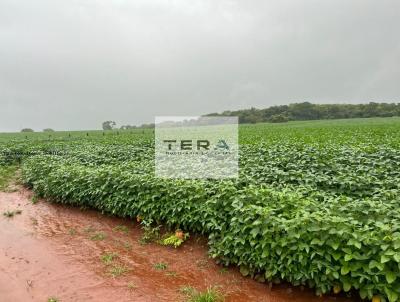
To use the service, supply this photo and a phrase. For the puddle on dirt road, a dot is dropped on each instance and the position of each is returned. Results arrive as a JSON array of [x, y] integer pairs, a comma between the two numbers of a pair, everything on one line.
[[51, 250]]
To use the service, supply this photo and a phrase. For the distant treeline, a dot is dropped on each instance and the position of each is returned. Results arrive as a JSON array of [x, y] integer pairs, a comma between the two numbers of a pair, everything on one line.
[[112, 125], [307, 111], [126, 127], [295, 112]]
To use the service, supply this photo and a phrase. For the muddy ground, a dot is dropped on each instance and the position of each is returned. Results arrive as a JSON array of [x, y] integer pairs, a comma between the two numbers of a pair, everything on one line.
[[51, 250]]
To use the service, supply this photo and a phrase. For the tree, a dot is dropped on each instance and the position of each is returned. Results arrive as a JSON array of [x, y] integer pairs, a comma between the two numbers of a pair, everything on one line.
[[279, 118], [151, 125], [109, 125], [308, 111], [127, 127], [48, 130], [27, 130]]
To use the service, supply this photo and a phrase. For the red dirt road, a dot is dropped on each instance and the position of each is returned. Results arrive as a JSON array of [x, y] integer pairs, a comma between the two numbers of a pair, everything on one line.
[[48, 251]]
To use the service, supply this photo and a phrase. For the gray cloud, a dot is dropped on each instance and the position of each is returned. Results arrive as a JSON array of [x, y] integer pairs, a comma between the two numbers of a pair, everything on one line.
[[72, 64]]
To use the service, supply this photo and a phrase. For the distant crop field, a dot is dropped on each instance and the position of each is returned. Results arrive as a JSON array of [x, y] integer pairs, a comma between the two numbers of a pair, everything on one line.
[[344, 131], [316, 203]]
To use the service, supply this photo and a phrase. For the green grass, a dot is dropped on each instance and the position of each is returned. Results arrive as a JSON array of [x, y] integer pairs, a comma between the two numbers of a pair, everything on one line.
[[212, 294], [108, 258], [117, 270], [98, 236], [187, 290], [161, 266], [121, 228]]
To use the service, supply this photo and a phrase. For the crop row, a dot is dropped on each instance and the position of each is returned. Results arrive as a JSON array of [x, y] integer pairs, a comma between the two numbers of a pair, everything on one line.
[[293, 232], [363, 171]]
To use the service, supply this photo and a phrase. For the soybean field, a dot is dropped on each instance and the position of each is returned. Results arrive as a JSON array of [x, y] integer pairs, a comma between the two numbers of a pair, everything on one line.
[[316, 203]]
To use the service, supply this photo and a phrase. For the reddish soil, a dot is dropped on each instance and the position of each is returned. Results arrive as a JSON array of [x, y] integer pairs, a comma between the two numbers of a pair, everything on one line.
[[48, 251]]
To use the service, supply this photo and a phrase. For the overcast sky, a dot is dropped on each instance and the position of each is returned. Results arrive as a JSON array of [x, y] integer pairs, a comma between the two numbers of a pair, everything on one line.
[[73, 64]]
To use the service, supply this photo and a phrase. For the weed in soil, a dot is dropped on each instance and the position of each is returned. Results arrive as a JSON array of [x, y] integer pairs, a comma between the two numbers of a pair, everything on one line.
[[34, 199], [131, 285], [72, 231], [108, 258], [89, 229], [212, 294], [121, 228], [98, 236], [11, 214], [117, 270], [171, 274], [161, 266]]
